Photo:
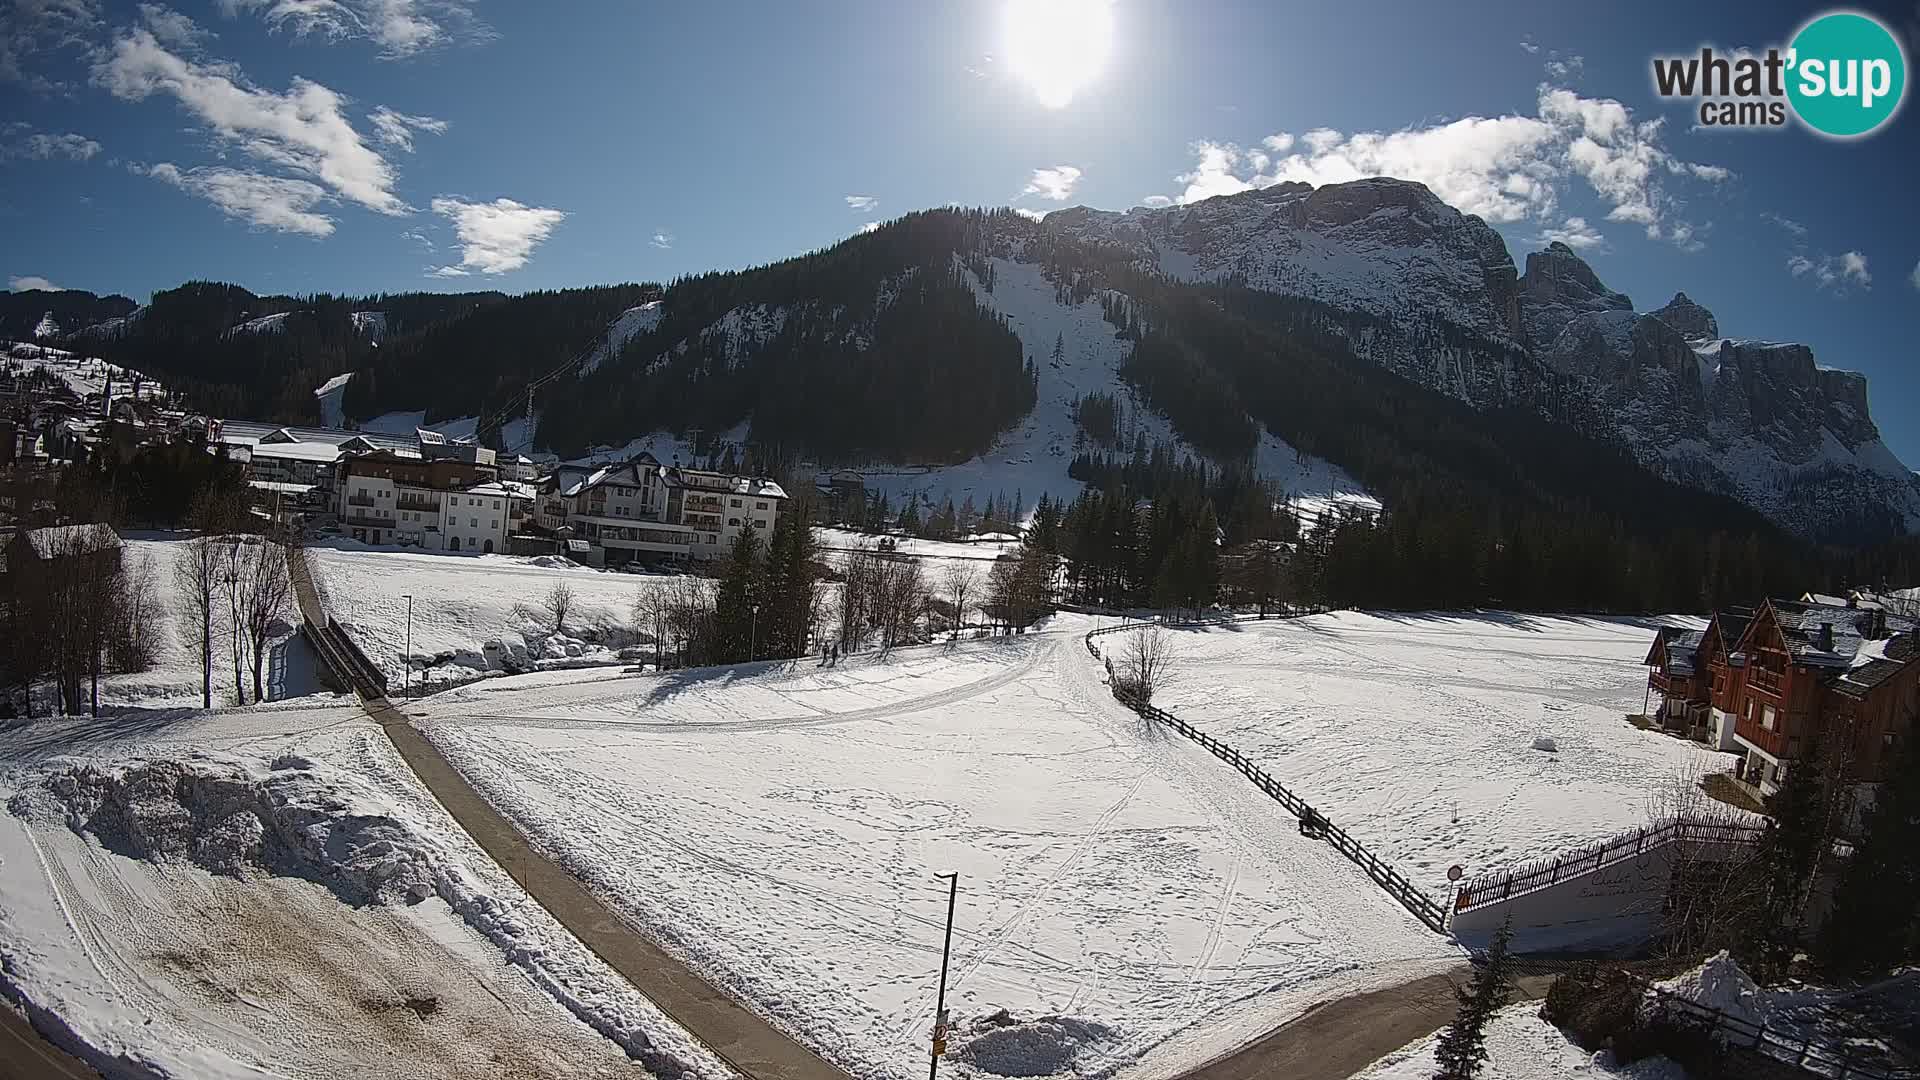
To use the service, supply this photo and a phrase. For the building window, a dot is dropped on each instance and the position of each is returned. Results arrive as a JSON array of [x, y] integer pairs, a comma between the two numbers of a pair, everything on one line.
[[473, 523], [759, 523], [1766, 717], [494, 524], [760, 506], [1887, 739], [733, 523], [734, 502], [496, 504]]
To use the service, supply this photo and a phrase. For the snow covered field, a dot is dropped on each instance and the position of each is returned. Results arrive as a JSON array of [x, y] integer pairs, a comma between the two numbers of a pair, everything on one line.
[[1133, 904], [1415, 732], [473, 614], [83, 376], [227, 895]]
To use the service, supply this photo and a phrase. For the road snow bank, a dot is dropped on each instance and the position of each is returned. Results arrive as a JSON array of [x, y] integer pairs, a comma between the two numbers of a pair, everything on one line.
[[1004, 1045], [296, 816]]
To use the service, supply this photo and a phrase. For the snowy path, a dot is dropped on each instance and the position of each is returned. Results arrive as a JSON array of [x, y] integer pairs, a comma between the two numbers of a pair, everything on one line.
[[777, 829]]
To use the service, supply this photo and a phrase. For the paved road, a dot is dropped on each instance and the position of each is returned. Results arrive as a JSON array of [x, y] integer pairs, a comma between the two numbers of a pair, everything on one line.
[[731, 1030], [24, 1055], [1339, 1038]]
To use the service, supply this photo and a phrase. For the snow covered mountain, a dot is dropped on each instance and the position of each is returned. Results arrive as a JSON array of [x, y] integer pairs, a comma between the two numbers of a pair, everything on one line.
[[1760, 421]]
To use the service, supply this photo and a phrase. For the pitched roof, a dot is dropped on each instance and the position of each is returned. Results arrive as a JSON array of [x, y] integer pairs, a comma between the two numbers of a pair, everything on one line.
[[1895, 654], [57, 540], [1825, 635]]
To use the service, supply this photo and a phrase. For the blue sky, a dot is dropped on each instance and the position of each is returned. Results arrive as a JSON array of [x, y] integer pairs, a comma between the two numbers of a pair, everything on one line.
[[368, 145]]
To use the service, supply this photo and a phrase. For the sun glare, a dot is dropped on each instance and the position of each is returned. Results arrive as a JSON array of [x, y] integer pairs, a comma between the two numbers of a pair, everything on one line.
[[1058, 46]]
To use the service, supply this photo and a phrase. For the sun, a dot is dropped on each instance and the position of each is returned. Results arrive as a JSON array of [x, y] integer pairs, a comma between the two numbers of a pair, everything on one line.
[[1058, 46]]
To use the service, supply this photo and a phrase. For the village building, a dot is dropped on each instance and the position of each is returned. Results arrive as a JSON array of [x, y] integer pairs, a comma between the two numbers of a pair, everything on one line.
[[1793, 679], [643, 511]]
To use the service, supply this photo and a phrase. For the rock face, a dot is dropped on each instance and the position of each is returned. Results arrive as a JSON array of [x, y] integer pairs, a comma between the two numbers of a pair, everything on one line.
[[1693, 321], [1758, 420], [1558, 287]]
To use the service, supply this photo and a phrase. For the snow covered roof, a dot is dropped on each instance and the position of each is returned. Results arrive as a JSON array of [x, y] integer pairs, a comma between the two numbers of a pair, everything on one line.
[[1829, 635], [1877, 662], [297, 451], [57, 540]]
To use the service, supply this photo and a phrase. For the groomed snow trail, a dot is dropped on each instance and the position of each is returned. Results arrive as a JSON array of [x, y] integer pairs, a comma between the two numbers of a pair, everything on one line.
[[1134, 904]]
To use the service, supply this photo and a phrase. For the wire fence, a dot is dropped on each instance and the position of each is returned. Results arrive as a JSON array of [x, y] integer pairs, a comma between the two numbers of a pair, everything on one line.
[[1412, 897], [1532, 876]]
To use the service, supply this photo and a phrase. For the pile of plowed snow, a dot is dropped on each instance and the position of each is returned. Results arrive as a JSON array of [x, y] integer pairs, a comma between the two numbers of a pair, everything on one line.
[[1004, 1045], [1721, 984], [225, 814]]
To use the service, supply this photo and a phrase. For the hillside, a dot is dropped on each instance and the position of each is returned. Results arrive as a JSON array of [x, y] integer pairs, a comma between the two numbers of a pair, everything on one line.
[[1355, 336]]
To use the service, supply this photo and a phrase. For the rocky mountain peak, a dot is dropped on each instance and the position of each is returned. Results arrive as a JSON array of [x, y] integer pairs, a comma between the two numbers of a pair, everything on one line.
[[1557, 287], [1693, 321]]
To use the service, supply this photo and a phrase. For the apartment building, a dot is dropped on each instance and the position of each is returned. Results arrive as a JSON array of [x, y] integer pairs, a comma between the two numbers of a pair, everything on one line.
[[641, 510]]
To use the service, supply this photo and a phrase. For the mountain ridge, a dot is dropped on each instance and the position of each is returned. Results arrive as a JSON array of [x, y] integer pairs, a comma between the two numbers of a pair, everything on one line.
[[1379, 271]]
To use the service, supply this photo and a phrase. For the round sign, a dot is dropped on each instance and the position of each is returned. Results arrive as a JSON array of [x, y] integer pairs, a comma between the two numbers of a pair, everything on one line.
[[1455, 873]]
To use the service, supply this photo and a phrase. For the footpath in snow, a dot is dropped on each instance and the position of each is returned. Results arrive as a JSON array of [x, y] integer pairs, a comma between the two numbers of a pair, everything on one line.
[[1124, 900]]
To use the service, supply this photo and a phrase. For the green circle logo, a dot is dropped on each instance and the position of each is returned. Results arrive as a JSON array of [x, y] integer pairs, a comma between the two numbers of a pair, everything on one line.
[[1847, 74]]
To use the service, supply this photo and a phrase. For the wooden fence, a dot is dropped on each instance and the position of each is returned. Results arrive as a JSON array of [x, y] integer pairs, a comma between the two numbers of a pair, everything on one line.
[[1800, 1051], [1529, 877], [1410, 896]]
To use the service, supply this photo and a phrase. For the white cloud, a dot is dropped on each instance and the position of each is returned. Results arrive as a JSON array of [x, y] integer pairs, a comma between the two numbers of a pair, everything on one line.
[[1914, 278], [1833, 272], [865, 204], [1030, 215], [401, 28], [1793, 228], [304, 129], [418, 237], [498, 236], [171, 27], [1156, 202], [662, 239], [871, 226], [1575, 233], [280, 203], [1056, 183], [31, 283], [41, 146], [396, 128], [38, 29], [1505, 169], [1567, 68], [1529, 44]]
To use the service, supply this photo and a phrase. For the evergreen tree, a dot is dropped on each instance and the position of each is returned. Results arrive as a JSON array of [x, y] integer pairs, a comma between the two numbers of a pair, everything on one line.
[[1787, 858], [1463, 1047], [910, 515], [734, 615]]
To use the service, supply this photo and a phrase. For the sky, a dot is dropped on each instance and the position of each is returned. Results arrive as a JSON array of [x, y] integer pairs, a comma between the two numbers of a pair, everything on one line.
[[361, 146]]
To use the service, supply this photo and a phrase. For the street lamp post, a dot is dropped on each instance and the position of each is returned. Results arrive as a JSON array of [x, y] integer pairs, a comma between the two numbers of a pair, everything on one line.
[[753, 632], [406, 686], [940, 1007]]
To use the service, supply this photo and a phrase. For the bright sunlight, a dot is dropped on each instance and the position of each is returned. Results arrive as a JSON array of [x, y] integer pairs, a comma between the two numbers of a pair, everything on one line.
[[1058, 46]]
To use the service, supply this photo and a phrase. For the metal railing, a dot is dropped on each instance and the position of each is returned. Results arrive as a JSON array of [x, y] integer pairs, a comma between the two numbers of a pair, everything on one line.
[[1412, 897], [1539, 874]]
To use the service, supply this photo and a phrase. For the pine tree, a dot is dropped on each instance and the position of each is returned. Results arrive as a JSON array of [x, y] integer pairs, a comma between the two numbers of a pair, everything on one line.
[[734, 616], [1463, 1047], [1787, 857]]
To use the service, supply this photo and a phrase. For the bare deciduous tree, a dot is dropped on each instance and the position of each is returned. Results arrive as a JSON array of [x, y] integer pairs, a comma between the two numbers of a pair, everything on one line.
[[1144, 662], [196, 576], [558, 604], [265, 595], [962, 580], [653, 616]]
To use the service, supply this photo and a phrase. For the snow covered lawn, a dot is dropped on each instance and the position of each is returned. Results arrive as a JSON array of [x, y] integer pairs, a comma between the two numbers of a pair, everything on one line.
[[1416, 732], [473, 614], [271, 892], [1126, 898]]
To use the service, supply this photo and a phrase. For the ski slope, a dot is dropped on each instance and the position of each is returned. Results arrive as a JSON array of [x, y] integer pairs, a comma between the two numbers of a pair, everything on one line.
[[295, 904], [1132, 905], [1416, 732]]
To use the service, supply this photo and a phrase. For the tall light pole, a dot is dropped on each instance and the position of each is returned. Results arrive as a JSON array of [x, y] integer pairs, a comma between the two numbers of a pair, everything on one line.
[[940, 1007], [406, 685], [753, 632]]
